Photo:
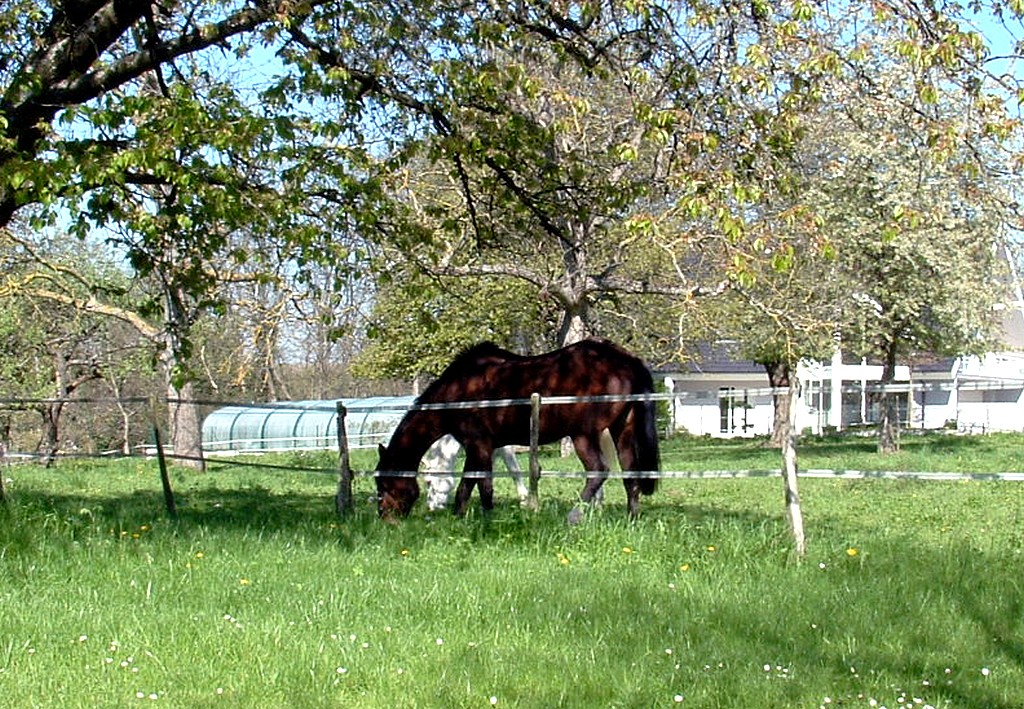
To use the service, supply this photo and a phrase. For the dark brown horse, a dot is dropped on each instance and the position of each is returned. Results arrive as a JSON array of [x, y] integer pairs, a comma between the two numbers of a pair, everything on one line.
[[592, 368]]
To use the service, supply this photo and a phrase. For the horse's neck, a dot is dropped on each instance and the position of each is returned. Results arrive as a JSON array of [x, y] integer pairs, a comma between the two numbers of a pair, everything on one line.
[[416, 433]]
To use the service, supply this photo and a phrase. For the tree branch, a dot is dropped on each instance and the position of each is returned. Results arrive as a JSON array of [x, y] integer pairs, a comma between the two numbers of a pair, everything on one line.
[[89, 304]]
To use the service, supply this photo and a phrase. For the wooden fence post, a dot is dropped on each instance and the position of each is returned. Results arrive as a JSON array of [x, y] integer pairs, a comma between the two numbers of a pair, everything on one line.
[[165, 480], [533, 499], [789, 471], [3, 470], [343, 500]]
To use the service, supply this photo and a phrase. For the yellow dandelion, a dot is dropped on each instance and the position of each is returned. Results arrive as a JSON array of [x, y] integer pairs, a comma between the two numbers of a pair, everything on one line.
[[684, 567], [711, 547], [244, 582], [563, 559], [404, 552], [199, 555], [627, 550], [852, 551]]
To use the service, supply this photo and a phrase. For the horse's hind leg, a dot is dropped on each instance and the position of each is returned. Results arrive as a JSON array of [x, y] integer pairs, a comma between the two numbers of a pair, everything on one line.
[[589, 452], [632, 486], [624, 444]]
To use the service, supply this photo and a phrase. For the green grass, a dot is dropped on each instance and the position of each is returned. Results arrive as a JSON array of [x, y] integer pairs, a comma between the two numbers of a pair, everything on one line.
[[257, 596]]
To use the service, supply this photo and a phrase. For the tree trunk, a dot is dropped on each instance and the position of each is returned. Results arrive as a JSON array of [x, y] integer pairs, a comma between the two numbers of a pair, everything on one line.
[[184, 428], [184, 431], [49, 442], [65, 385], [126, 418], [889, 423], [573, 327], [183, 425], [778, 379]]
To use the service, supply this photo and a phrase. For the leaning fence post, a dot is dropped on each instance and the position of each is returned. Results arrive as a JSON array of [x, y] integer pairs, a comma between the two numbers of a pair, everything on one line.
[[343, 500], [165, 480], [533, 500], [3, 471], [790, 471]]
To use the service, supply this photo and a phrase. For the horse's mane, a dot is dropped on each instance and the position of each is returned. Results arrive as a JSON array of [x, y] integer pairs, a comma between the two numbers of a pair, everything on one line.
[[481, 350], [467, 359]]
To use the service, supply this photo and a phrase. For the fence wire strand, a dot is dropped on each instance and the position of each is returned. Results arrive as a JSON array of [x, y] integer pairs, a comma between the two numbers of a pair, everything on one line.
[[212, 458]]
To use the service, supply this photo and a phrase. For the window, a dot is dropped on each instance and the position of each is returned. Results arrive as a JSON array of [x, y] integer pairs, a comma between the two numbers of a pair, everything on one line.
[[732, 410]]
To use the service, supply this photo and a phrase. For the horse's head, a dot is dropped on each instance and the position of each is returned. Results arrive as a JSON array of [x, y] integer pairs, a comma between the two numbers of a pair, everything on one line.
[[396, 494]]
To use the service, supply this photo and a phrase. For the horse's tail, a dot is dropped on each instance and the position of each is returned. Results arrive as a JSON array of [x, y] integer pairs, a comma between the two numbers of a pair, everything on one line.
[[645, 441]]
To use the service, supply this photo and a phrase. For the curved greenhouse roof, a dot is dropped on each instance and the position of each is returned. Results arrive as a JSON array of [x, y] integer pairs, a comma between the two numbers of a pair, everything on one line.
[[303, 425]]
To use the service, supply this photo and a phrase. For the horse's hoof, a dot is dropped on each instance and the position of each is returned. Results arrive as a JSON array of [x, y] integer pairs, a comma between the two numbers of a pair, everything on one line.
[[575, 516]]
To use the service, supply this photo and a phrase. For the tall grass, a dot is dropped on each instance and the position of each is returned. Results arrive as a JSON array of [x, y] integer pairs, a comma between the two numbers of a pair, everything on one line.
[[257, 596]]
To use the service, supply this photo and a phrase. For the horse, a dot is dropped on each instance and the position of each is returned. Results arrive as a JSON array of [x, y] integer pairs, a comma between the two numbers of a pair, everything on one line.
[[439, 465], [486, 372]]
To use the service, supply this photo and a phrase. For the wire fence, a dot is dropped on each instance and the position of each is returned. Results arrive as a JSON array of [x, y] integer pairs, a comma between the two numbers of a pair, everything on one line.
[[341, 440], [398, 406]]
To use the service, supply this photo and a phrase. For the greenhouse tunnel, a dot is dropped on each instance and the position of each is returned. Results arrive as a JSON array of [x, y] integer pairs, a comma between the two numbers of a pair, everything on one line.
[[303, 425]]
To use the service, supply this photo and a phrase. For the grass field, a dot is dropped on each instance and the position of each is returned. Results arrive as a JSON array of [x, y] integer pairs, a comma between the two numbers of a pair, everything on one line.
[[911, 594]]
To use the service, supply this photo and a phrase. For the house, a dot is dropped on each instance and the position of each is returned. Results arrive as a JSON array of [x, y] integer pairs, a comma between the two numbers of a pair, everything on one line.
[[719, 394]]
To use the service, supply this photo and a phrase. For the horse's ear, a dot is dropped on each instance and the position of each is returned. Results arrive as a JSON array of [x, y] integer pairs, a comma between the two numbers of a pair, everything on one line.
[[381, 450]]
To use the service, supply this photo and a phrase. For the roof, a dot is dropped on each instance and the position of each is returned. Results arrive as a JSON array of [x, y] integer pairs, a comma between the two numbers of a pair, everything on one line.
[[720, 357]]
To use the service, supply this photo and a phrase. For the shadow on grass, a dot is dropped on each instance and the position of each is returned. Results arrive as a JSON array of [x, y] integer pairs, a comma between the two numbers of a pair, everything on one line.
[[924, 585], [304, 508], [210, 507], [964, 614]]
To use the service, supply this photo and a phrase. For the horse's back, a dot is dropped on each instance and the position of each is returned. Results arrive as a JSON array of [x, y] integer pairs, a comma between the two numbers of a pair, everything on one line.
[[591, 367]]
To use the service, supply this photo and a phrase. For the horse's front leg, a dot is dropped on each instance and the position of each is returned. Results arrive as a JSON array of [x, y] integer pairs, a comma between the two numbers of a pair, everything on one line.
[[478, 460], [462, 494]]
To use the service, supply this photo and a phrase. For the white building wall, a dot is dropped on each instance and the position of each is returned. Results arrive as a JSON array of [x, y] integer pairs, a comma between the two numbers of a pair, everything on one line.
[[698, 405], [934, 408], [938, 402], [991, 410]]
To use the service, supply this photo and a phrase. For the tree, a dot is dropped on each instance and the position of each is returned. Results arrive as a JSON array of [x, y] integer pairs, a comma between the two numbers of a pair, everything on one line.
[[561, 126], [52, 348], [58, 58], [419, 322], [89, 64], [536, 146], [113, 116], [918, 234]]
